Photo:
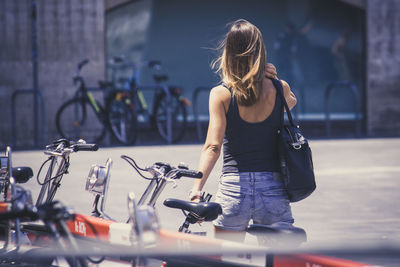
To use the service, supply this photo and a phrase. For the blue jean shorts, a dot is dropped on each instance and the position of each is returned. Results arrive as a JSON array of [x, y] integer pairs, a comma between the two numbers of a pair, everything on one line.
[[257, 196]]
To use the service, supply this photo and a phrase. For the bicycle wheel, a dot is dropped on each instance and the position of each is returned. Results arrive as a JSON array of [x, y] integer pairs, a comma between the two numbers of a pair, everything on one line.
[[121, 118], [178, 116], [77, 119]]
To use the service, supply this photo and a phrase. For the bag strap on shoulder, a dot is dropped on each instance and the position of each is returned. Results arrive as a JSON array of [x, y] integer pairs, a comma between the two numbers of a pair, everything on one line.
[[279, 88]]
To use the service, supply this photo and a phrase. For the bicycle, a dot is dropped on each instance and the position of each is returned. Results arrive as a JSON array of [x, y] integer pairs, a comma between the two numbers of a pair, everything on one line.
[[59, 154], [17, 208], [169, 114], [83, 117], [275, 235], [11, 192], [53, 215], [143, 238]]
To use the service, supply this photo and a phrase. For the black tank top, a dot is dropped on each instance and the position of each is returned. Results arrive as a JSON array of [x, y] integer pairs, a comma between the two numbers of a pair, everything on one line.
[[251, 147]]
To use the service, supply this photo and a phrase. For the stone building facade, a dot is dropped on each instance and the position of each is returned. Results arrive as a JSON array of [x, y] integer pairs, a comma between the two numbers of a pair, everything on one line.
[[383, 67], [71, 30], [67, 32]]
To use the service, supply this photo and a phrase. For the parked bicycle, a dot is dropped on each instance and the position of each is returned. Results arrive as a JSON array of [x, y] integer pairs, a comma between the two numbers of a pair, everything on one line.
[[59, 154], [168, 114], [16, 207], [143, 238], [84, 117], [275, 235], [54, 216]]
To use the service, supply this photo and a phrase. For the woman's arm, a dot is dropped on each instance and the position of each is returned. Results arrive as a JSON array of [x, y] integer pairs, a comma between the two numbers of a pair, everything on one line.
[[215, 134], [289, 95]]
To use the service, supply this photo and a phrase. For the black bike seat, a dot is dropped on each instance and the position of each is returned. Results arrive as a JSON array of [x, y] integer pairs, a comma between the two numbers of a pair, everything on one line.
[[160, 77], [283, 230], [207, 211], [22, 174]]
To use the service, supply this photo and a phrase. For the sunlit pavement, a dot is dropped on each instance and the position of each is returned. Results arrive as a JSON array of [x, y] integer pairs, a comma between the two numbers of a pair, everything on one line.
[[356, 201]]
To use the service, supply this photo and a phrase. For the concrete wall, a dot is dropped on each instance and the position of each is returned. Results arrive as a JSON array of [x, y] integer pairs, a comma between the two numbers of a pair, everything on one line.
[[383, 67], [68, 31]]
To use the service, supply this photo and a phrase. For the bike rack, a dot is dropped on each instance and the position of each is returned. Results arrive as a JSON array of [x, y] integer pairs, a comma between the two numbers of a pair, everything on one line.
[[356, 104], [36, 93], [196, 109]]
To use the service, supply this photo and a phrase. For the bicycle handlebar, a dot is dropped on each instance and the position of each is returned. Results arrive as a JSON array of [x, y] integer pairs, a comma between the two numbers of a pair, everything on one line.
[[60, 146], [154, 64], [30, 212], [85, 147], [120, 61], [82, 63], [173, 172], [47, 212], [165, 170], [190, 173]]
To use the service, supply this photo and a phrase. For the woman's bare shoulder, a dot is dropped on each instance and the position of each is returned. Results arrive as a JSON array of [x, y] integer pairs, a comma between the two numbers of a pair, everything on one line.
[[220, 95], [220, 92]]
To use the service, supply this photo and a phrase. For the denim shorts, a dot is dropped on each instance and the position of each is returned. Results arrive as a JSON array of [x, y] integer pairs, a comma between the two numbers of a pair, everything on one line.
[[257, 196]]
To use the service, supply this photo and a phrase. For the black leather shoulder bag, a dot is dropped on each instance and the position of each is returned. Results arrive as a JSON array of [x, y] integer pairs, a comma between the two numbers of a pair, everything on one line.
[[294, 155]]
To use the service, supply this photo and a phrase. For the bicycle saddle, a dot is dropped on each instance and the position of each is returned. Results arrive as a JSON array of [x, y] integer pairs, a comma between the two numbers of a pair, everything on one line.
[[279, 233], [160, 77], [207, 211], [22, 174]]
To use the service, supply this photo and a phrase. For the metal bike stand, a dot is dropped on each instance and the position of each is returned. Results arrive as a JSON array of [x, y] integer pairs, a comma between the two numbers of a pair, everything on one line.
[[196, 110], [356, 104], [36, 93], [169, 112]]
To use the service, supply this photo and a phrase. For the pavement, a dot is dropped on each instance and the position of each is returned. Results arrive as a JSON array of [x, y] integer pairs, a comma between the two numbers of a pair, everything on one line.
[[355, 204]]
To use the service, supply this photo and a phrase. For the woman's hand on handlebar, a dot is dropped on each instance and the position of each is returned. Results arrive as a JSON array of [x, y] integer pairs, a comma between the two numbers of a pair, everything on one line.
[[195, 196]]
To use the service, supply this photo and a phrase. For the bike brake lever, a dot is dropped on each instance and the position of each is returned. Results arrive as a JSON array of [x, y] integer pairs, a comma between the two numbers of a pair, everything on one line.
[[174, 184]]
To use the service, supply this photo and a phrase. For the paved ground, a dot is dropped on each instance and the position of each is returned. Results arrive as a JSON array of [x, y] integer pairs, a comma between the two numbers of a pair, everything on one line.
[[356, 202]]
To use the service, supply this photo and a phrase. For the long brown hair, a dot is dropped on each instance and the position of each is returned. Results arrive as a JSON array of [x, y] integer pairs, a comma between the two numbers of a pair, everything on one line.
[[242, 63]]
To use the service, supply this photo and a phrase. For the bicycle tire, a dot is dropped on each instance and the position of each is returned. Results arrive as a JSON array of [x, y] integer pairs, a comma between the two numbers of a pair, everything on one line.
[[179, 117], [73, 124], [121, 118]]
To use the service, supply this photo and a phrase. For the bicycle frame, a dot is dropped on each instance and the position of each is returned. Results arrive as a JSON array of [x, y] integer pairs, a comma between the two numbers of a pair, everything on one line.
[[81, 93], [51, 190], [196, 248]]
